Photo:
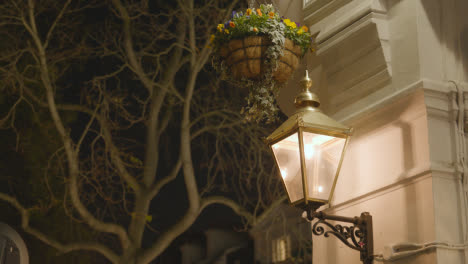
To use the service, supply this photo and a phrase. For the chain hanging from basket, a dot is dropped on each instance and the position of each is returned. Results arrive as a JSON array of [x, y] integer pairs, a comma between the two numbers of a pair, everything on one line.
[[259, 49]]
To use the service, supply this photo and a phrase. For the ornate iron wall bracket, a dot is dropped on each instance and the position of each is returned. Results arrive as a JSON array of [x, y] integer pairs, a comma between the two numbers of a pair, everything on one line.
[[359, 236]]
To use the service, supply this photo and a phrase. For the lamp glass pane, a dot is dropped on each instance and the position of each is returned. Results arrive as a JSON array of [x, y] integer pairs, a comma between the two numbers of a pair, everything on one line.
[[322, 156], [287, 156]]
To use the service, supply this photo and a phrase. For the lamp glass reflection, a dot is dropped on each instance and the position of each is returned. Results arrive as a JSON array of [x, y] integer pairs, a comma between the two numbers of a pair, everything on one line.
[[322, 156], [287, 157]]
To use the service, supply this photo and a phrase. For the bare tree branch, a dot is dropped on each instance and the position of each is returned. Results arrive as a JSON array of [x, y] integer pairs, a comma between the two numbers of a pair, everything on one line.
[[57, 19], [237, 208], [147, 111], [164, 181], [68, 144], [63, 248]]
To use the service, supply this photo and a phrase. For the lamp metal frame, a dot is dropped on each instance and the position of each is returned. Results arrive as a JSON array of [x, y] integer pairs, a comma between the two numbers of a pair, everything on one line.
[[359, 235]]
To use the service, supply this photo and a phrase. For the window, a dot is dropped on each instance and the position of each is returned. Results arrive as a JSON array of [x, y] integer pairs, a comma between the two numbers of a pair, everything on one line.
[[9, 253], [281, 249]]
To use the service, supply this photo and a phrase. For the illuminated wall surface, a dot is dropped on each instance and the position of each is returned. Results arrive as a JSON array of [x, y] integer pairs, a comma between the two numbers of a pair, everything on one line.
[[396, 71]]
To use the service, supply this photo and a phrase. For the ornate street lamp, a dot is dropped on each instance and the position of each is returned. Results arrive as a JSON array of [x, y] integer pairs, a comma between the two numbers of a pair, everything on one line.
[[309, 149]]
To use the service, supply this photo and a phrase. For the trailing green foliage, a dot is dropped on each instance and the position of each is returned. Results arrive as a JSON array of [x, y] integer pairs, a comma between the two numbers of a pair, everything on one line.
[[264, 21]]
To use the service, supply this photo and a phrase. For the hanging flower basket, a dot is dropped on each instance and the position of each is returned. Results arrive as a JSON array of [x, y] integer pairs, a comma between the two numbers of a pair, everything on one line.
[[259, 49], [245, 58]]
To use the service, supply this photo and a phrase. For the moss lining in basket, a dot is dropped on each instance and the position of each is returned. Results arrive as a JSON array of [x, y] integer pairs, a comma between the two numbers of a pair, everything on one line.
[[259, 50], [245, 58]]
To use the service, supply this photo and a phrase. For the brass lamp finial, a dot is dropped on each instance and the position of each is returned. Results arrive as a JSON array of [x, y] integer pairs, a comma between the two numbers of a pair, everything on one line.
[[306, 98], [306, 83]]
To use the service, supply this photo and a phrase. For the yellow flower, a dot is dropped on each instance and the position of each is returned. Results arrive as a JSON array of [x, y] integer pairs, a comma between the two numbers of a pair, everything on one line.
[[259, 12], [226, 31], [289, 23], [304, 28], [220, 27], [248, 12], [300, 31], [271, 14]]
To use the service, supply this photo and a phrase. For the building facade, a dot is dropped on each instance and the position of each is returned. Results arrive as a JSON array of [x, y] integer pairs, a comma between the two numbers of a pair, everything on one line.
[[283, 237], [397, 72], [222, 247]]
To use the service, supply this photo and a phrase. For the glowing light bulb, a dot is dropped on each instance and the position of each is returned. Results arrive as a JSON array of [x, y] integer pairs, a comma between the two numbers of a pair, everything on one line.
[[284, 173], [309, 151], [320, 189]]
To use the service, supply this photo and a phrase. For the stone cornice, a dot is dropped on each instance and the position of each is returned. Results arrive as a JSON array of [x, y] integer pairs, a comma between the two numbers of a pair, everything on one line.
[[331, 16], [438, 98], [353, 47]]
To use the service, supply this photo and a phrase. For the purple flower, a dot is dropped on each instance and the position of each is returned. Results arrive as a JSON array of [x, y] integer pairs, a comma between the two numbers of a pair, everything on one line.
[[227, 24], [298, 24], [233, 14]]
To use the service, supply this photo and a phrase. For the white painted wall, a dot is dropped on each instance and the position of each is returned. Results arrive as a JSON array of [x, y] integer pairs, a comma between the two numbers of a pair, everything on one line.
[[386, 172], [390, 69]]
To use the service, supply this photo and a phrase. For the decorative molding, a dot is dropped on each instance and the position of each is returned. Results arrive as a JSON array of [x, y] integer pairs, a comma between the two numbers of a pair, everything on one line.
[[441, 99], [439, 103], [439, 106], [353, 46], [463, 86], [436, 99], [331, 16], [317, 10], [430, 170]]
